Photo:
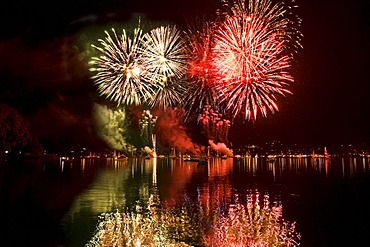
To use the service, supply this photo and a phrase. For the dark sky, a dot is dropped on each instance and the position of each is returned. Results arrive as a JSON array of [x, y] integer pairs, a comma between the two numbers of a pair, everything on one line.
[[43, 76]]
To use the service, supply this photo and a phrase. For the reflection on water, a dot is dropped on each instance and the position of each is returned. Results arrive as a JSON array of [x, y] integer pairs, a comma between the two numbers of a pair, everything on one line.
[[108, 187], [241, 201], [280, 166], [253, 223], [172, 202]]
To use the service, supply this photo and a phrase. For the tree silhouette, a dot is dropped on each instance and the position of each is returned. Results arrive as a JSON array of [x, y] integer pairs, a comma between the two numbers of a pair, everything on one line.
[[14, 133]]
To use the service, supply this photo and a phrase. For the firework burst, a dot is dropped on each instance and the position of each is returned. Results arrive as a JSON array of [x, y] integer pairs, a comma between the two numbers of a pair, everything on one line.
[[163, 53], [201, 91], [118, 70], [238, 65], [252, 57], [164, 57]]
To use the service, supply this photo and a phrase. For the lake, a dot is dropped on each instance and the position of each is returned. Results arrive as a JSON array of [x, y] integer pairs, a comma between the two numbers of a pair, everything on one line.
[[244, 201]]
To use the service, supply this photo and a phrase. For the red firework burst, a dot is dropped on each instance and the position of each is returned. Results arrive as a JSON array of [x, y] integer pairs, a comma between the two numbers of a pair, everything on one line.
[[242, 62], [201, 91]]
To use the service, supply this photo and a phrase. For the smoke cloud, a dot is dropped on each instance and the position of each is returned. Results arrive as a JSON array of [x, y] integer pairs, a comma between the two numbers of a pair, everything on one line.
[[111, 127], [172, 133], [220, 148]]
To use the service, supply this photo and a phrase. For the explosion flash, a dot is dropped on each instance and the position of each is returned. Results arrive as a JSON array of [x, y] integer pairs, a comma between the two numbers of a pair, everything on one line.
[[252, 57]]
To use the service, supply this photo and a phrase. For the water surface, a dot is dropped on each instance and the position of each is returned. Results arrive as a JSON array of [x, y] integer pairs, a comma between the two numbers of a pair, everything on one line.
[[96, 202]]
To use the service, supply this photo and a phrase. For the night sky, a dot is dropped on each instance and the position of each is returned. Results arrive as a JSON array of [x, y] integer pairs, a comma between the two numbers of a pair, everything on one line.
[[44, 77]]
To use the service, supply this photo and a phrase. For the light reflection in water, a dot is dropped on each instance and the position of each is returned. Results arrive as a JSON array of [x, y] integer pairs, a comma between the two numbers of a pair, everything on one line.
[[346, 166], [254, 223], [167, 201], [208, 221]]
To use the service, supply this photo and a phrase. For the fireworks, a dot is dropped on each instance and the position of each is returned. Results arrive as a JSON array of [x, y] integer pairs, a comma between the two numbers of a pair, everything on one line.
[[164, 58], [118, 69], [163, 55], [214, 125], [239, 64], [144, 69], [252, 58], [168, 95], [251, 68], [201, 91]]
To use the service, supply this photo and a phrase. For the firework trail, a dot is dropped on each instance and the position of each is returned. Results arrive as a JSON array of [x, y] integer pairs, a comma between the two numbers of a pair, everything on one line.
[[252, 56], [147, 125], [164, 57], [215, 126]]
